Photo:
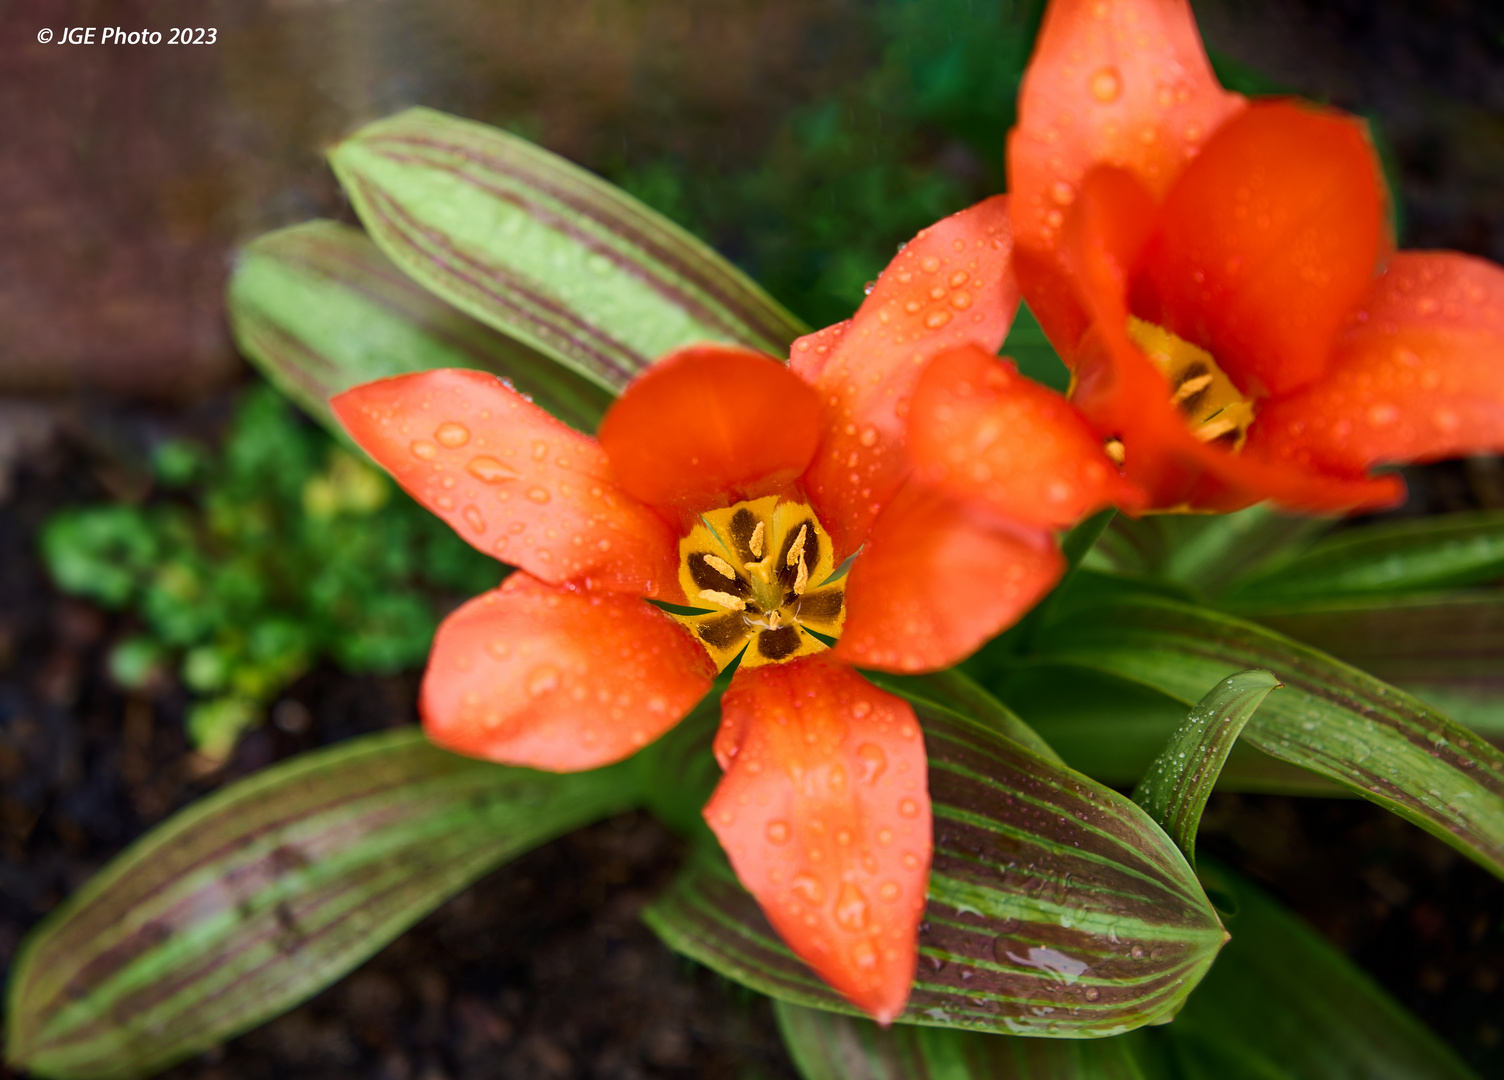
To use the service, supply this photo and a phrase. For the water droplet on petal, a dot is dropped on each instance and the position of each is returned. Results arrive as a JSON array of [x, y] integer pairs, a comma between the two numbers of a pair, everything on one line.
[[538, 495], [864, 955], [807, 887], [424, 450], [544, 678], [474, 520], [452, 435], [851, 907], [872, 761], [778, 832], [1106, 85], [936, 319], [490, 471], [908, 808]]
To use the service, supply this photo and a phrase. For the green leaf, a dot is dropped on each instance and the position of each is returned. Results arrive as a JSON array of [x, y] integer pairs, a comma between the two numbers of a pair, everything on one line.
[[958, 693], [1282, 1002], [319, 309], [1029, 348], [1056, 906], [1401, 556], [829, 1046], [1447, 649], [253, 899], [1333, 719], [1175, 788], [545, 251], [1206, 551], [1113, 728]]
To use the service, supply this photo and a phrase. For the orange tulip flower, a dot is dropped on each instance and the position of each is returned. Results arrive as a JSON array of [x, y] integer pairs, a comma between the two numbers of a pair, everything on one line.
[[727, 482], [1219, 276]]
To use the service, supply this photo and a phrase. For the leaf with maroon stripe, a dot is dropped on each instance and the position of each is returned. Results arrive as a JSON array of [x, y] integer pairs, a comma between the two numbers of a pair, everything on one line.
[[1445, 648], [1335, 720], [319, 309], [1177, 784], [253, 899], [829, 1046], [545, 251], [1056, 906], [1391, 557]]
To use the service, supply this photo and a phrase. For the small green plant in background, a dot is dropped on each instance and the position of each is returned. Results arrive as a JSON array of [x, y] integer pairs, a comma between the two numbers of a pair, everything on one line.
[[256, 562]]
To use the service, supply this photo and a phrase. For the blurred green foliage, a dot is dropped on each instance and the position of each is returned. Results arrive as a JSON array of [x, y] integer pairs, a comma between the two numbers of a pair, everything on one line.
[[848, 178], [256, 562]]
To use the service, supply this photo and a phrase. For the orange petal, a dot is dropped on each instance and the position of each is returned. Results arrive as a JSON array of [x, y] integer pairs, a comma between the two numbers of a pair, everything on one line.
[[937, 578], [982, 431], [1418, 375], [711, 425], [1124, 397], [825, 813], [1267, 243], [529, 674], [952, 284], [1112, 82], [513, 481]]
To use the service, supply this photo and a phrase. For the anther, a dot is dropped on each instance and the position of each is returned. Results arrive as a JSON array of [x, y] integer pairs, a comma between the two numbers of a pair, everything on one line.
[[755, 541], [725, 600], [1113, 448], [720, 566], [1190, 388], [796, 553]]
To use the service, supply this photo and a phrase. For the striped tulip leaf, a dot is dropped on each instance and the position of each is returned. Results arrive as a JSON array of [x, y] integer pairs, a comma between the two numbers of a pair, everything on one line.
[[253, 899], [1056, 906], [1445, 648], [1333, 719], [1175, 788], [830, 1046], [319, 309], [1282, 1001], [1112, 728], [1392, 557], [956, 692], [544, 251]]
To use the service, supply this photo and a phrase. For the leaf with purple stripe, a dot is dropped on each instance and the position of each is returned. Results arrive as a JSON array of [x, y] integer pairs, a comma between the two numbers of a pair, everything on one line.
[[319, 309], [1333, 719], [829, 1046], [1445, 648], [1057, 907], [543, 250], [255, 898]]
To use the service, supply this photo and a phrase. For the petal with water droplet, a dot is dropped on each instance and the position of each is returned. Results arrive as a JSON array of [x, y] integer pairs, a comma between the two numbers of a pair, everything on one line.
[[517, 473], [506, 667], [845, 901]]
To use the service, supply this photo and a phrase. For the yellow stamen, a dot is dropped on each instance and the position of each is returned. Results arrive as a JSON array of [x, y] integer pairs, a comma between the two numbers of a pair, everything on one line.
[[1190, 388], [721, 566], [797, 551], [725, 600], [755, 543], [1113, 448], [1210, 402]]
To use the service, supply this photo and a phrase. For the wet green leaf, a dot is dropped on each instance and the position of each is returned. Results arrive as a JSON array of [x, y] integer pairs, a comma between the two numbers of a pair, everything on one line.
[[1382, 559], [319, 309], [830, 1046], [1056, 907], [1335, 720], [544, 251], [269, 890], [1175, 788]]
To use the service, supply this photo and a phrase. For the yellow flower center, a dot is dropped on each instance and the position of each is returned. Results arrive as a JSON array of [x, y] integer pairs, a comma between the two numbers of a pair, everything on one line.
[[1212, 406], [762, 570]]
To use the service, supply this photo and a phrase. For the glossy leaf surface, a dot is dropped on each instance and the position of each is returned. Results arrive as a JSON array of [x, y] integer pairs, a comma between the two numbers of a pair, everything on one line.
[[545, 251], [829, 1046], [1176, 786], [1393, 557], [1342, 723], [1056, 906], [1445, 648], [319, 309], [253, 899], [1282, 1001]]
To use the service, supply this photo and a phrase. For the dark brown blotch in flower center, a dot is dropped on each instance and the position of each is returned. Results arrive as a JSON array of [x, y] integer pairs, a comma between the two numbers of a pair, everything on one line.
[[724, 632], [711, 572], [778, 644]]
